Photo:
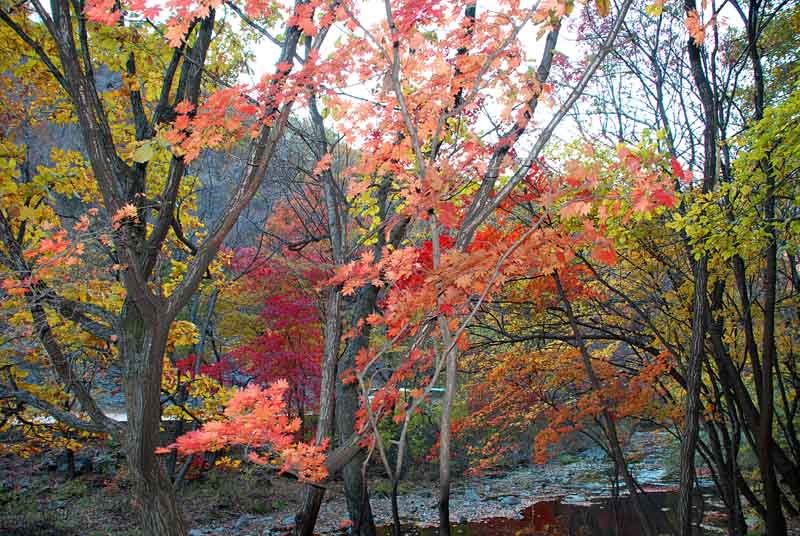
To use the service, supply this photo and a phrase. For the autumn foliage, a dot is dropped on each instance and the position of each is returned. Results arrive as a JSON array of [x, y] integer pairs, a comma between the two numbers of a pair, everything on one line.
[[255, 418], [423, 231]]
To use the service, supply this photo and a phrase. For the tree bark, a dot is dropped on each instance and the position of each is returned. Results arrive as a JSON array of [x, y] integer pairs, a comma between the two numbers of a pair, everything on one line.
[[700, 300], [444, 440], [142, 349], [776, 524], [306, 517], [347, 404]]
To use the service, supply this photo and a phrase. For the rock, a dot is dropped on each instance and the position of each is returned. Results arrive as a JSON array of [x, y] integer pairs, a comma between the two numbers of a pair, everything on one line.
[[83, 464], [196, 532], [288, 521], [471, 495], [56, 505], [242, 522], [105, 463], [594, 454], [49, 464], [510, 500]]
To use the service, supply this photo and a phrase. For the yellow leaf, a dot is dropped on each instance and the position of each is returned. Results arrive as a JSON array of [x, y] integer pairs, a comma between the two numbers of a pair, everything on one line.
[[143, 153], [27, 213]]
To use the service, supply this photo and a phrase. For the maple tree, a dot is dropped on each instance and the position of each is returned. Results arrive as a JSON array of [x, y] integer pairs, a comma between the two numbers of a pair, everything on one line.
[[289, 345], [421, 196], [256, 418], [424, 197]]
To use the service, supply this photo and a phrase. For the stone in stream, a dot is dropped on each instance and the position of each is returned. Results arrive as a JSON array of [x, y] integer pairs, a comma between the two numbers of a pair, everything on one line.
[[56, 505], [242, 522], [471, 495], [510, 500]]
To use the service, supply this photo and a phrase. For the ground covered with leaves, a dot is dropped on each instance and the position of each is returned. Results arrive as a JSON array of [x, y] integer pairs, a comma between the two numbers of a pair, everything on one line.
[[36, 498]]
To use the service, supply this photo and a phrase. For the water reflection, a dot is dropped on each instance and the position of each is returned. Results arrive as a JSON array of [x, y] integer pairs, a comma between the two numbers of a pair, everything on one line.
[[598, 517]]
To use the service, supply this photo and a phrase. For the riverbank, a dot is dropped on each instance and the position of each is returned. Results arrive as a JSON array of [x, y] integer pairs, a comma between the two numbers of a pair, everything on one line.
[[35, 498], [578, 479]]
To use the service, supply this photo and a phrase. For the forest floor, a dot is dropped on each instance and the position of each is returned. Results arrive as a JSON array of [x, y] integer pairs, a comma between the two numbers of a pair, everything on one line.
[[36, 499]]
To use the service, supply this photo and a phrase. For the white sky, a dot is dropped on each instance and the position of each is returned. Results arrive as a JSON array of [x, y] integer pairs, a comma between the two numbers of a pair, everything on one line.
[[372, 12]]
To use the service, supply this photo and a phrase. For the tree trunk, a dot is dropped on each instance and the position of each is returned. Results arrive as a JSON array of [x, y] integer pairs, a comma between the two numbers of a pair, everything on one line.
[[397, 528], [692, 409], [142, 350], [347, 404], [718, 444], [306, 517], [70, 463], [751, 416], [776, 524], [444, 440], [700, 301], [159, 510]]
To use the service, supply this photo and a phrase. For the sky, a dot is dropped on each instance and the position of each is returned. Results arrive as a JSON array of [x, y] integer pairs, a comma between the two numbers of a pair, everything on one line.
[[372, 12]]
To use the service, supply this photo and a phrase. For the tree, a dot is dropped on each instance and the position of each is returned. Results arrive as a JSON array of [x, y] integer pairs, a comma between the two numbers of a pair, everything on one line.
[[289, 345], [730, 79], [445, 206], [443, 176], [138, 183]]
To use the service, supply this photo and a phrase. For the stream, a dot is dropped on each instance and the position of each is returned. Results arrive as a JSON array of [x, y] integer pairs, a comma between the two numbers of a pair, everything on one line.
[[570, 495], [596, 517]]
